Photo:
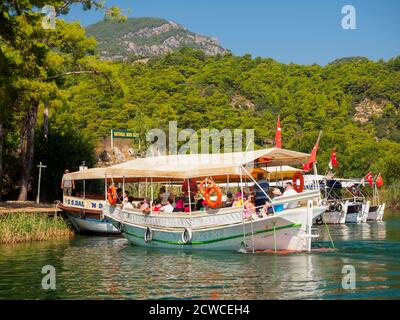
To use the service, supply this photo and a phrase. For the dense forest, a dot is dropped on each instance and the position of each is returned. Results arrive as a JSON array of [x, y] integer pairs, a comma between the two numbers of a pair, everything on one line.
[[57, 95]]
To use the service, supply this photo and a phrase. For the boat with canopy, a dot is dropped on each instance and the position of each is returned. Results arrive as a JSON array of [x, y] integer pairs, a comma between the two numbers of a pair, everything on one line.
[[216, 227]]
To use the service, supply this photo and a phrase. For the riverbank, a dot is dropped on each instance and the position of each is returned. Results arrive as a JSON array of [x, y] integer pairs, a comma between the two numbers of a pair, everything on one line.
[[32, 226], [391, 196]]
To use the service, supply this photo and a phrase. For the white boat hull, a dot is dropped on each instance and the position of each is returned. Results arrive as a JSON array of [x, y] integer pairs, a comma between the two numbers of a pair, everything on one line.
[[357, 216], [285, 231], [86, 225], [334, 217], [376, 213]]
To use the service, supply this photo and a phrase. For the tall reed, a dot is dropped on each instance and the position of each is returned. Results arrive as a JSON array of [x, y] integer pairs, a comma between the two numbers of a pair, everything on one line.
[[23, 227]]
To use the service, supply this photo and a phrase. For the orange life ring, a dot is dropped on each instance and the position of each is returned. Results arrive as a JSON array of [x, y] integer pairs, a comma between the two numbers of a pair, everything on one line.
[[298, 187], [112, 195], [206, 193], [202, 190]]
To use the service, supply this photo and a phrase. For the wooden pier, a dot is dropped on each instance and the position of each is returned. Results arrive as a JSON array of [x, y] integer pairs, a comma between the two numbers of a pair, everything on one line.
[[12, 207]]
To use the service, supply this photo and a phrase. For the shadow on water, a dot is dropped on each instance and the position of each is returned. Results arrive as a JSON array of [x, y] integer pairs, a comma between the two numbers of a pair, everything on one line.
[[110, 268]]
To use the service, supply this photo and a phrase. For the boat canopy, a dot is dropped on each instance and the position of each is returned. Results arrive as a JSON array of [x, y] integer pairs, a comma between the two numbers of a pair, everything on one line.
[[178, 167]]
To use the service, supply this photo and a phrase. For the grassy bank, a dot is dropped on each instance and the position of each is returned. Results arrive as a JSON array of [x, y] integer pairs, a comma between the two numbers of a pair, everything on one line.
[[24, 227]]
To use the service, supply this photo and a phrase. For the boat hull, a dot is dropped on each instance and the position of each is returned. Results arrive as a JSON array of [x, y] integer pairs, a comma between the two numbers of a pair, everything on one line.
[[357, 213], [376, 213], [285, 231], [90, 225]]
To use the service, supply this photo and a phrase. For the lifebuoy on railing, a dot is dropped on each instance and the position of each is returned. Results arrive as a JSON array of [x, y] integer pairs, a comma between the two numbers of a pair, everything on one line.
[[354, 190], [298, 177], [112, 195], [208, 191]]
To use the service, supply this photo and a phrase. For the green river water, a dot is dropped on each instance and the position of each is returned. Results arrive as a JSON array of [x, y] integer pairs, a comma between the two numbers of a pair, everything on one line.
[[91, 267]]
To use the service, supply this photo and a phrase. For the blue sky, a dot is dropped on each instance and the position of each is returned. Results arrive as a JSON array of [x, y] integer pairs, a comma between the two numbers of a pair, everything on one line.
[[305, 32]]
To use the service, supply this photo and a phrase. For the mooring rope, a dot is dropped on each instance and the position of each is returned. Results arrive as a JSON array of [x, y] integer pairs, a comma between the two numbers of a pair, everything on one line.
[[329, 235]]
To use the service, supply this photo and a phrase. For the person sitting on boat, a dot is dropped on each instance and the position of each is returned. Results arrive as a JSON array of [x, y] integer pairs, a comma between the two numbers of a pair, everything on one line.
[[289, 191], [145, 208], [238, 200], [179, 205], [120, 196], [168, 208], [164, 195], [126, 197], [269, 208], [249, 208], [261, 190], [229, 200], [157, 205], [129, 203], [199, 204]]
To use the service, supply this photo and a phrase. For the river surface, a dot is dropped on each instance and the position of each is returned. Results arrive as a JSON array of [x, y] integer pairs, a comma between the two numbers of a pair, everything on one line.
[[90, 267]]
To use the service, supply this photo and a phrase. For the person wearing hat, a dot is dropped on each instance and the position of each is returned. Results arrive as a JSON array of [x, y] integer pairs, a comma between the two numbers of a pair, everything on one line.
[[67, 184]]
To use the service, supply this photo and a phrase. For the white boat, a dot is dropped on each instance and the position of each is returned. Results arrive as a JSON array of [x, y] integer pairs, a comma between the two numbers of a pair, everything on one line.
[[356, 212], [214, 229], [377, 209], [376, 213], [86, 215]]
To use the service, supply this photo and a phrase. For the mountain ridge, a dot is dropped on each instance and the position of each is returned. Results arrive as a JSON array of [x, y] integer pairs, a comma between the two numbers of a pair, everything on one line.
[[147, 37]]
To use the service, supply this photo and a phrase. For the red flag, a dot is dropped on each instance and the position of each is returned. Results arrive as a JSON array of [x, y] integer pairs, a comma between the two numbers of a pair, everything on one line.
[[379, 181], [333, 162], [370, 178], [313, 156], [278, 135]]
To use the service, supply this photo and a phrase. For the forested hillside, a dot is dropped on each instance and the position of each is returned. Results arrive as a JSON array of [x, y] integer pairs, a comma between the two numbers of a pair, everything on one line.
[[241, 92]]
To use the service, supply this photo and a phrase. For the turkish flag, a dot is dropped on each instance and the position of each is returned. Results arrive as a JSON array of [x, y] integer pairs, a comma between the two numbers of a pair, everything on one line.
[[379, 181], [313, 156], [278, 135], [333, 162], [370, 178]]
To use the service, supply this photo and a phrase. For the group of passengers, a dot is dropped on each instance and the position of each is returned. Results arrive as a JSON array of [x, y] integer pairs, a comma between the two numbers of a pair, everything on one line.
[[255, 201]]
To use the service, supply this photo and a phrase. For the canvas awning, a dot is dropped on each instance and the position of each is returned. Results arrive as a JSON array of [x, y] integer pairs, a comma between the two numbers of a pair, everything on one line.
[[193, 165]]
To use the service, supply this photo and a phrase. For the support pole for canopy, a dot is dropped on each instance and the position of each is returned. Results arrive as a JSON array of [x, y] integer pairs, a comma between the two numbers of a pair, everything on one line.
[[105, 187], [190, 200], [243, 220], [123, 189], [151, 202]]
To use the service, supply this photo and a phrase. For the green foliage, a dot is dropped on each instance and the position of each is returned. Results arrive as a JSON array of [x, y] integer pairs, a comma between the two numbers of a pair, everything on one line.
[[197, 91]]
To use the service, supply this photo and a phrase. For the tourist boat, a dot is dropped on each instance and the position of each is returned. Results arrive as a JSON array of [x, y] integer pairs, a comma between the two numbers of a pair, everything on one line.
[[85, 210], [345, 202], [377, 209], [219, 228]]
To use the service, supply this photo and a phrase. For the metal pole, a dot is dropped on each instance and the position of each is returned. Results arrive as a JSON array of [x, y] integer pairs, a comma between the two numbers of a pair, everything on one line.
[[190, 200], [123, 189], [151, 203]]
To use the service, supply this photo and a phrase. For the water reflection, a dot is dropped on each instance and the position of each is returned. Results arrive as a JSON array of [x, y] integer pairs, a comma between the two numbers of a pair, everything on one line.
[[110, 268]]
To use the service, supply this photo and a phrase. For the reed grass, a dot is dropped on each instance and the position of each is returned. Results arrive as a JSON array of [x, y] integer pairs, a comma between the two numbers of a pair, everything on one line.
[[26, 227], [391, 195]]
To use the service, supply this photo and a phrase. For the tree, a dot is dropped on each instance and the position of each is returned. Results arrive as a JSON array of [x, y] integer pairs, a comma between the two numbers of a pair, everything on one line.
[[37, 59]]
